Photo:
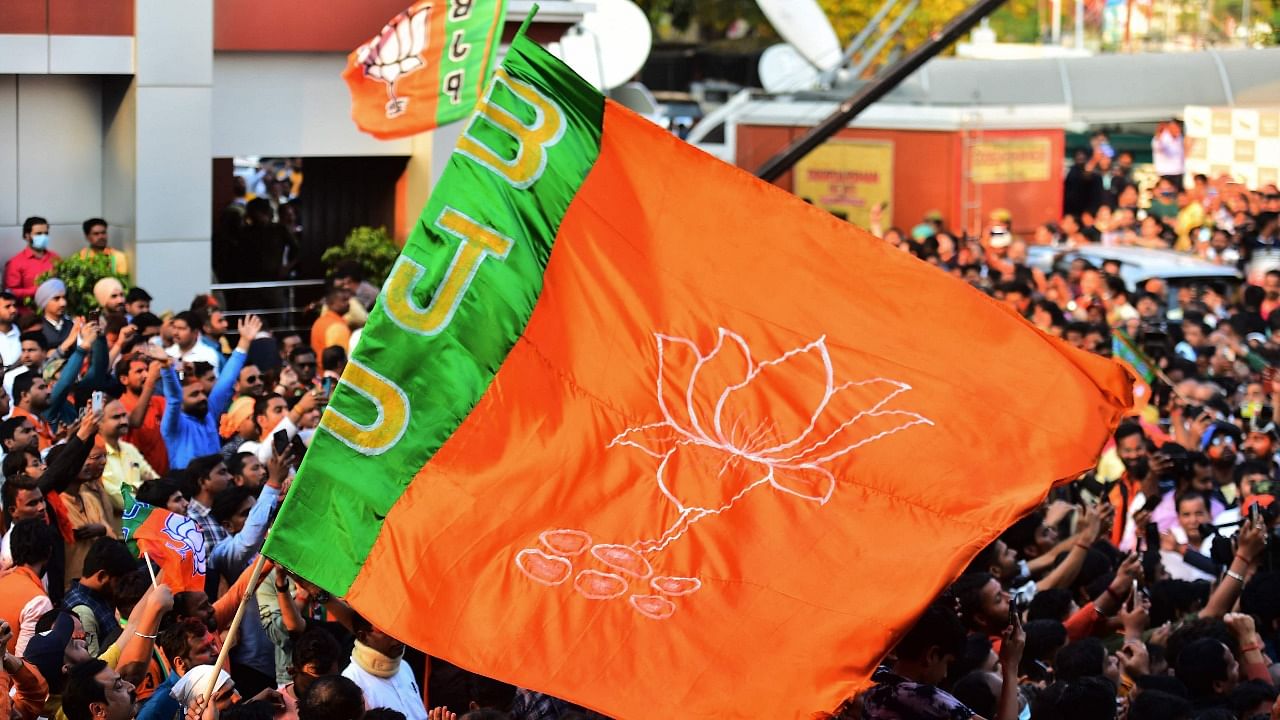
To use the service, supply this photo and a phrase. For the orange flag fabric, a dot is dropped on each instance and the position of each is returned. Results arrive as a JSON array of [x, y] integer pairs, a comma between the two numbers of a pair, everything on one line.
[[427, 67], [633, 428]]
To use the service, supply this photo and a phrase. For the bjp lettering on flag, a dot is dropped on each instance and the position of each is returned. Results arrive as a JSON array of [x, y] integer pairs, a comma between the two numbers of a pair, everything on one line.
[[427, 67], [173, 541], [634, 429]]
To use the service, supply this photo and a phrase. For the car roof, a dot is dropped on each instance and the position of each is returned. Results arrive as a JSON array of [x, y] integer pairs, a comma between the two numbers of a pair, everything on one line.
[[1136, 264]]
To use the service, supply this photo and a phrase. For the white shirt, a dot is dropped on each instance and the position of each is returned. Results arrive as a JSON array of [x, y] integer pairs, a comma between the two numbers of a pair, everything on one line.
[[27, 619], [198, 353], [10, 345], [398, 692]]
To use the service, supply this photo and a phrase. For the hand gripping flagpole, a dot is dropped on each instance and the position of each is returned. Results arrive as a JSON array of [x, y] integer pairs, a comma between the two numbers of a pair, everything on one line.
[[235, 627]]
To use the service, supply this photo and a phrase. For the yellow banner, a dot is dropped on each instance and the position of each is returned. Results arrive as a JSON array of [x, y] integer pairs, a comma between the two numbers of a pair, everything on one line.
[[847, 178], [1011, 160]]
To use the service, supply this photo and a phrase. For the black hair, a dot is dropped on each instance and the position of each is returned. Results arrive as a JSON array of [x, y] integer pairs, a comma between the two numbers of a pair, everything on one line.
[[10, 426], [91, 223], [1193, 630], [1082, 658], [83, 689], [985, 559], [22, 385], [967, 590], [251, 710], [129, 590], [31, 222], [110, 556], [333, 356], [332, 697], [1200, 665], [157, 492], [1261, 599], [13, 485], [146, 320], [1050, 604], [176, 640], [1249, 694], [1171, 600], [201, 368], [36, 337], [15, 463], [1159, 705], [937, 627], [1023, 532], [31, 541], [299, 351], [135, 294], [1129, 428], [348, 269], [237, 462], [194, 319], [1044, 639], [316, 646], [198, 469], [1089, 698], [228, 502], [385, 713], [974, 690]]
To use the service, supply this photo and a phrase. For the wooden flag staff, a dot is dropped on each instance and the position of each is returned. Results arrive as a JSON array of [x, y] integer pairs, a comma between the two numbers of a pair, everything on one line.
[[235, 627]]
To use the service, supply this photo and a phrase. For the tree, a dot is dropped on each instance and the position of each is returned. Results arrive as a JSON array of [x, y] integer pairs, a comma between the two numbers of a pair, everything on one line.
[[710, 19]]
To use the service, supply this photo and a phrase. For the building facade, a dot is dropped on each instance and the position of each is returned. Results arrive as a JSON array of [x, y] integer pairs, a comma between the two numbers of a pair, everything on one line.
[[131, 110]]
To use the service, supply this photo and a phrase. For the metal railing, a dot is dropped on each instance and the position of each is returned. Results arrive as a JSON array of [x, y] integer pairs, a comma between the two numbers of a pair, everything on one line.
[[278, 319]]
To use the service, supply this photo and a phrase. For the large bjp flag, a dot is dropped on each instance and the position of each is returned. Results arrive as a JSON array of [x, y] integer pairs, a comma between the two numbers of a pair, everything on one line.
[[637, 430], [427, 66]]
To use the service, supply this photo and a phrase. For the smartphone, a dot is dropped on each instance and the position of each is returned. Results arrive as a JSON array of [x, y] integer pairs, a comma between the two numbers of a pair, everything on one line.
[[93, 316], [280, 441], [327, 385], [1013, 612], [1133, 596], [1255, 513], [97, 401]]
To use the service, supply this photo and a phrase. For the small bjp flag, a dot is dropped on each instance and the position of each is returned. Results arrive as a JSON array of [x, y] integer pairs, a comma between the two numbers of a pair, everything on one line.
[[173, 541], [427, 67]]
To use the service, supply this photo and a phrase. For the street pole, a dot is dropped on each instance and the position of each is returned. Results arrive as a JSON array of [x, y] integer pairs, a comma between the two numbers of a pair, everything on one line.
[[873, 91]]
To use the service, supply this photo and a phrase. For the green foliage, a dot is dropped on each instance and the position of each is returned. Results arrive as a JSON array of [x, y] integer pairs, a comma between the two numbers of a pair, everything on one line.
[[373, 248], [80, 274]]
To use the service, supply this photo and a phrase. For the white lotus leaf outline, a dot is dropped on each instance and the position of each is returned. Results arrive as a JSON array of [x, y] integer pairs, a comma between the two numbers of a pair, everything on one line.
[[395, 52], [186, 538], [711, 424]]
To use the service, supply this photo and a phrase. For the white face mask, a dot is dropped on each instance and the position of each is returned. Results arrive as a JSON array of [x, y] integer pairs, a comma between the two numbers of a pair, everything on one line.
[[40, 242]]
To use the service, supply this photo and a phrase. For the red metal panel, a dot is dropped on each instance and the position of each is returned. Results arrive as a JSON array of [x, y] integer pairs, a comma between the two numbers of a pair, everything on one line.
[[24, 17], [90, 17], [302, 26]]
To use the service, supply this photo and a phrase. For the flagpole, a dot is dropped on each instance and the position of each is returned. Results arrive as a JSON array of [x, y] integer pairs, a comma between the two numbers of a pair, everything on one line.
[[235, 627], [150, 570]]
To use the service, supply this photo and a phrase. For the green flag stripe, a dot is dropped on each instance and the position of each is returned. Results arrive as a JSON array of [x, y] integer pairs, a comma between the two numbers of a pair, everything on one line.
[[471, 35], [459, 298]]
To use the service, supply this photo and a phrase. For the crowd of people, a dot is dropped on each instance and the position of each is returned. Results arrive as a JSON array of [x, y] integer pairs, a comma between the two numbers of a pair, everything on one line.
[[179, 411], [1147, 588]]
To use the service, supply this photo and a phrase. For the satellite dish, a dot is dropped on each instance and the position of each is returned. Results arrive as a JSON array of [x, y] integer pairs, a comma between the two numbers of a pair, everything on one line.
[[783, 69], [580, 51], [612, 45], [803, 24]]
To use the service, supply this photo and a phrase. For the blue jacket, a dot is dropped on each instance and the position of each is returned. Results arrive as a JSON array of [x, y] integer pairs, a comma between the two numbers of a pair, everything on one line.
[[188, 437], [161, 705], [228, 559]]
